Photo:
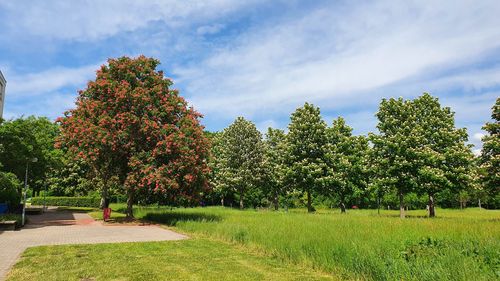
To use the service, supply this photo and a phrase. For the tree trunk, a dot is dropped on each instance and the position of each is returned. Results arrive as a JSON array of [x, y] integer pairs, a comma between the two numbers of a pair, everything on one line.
[[276, 201], [222, 201], [241, 200], [104, 196], [401, 205], [130, 203], [432, 211], [310, 208], [342, 207], [378, 205]]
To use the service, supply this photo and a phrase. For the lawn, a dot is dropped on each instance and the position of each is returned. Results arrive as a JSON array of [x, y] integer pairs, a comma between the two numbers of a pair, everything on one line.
[[457, 245], [194, 259]]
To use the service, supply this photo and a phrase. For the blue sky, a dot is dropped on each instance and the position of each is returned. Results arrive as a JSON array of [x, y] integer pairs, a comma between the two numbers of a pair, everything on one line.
[[261, 59]]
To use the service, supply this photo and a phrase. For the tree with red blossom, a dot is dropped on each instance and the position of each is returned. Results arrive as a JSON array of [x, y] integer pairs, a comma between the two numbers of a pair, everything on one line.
[[128, 124]]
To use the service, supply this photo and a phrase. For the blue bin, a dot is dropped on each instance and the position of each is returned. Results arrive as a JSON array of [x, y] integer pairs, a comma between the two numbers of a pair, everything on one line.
[[3, 208]]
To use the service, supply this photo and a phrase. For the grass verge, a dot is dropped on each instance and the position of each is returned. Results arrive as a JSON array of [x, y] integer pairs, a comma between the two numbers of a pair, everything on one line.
[[194, 259]]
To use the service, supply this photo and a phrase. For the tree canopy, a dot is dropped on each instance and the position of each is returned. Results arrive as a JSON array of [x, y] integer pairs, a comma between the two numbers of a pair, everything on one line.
[[23, 139], [240, 162], [346, 158], [490, 155], [306, 151], [129, 123], [419, 149]]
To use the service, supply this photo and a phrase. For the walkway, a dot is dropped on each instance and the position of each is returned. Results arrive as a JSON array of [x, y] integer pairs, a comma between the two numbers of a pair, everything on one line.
[[64, 227]]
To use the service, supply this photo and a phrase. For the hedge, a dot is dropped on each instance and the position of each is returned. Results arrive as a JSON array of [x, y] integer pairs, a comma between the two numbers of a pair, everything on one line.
[[93, 202]]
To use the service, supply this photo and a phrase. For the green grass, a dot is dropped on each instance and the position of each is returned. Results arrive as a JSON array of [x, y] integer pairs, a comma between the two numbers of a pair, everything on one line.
[[457, 245], [77, 209], [194, 259], [10, 217]]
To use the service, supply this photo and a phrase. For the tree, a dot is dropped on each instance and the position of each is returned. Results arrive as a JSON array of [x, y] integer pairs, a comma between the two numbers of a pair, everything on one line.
[[73, 178], [306, 151], [240, 160], [444, 161], [393, 147], [347, 162], [128, 123], [9, 190], [275, 150], [419, 149], [26, 138], [220, 190], [490, 155]]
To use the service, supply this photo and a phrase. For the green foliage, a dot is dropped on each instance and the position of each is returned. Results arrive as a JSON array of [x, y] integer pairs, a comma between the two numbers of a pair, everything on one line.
[[347, 161], [239, 159], [67, 201], [305, 155], [26, 138], [9, 189], [12, 217], [444, 158], [72, 179], [419, 149], [128, 123], [490, 157], [274, 163]]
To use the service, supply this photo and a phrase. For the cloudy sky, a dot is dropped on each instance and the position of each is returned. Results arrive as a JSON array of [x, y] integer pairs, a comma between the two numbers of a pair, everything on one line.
[[261, 59]]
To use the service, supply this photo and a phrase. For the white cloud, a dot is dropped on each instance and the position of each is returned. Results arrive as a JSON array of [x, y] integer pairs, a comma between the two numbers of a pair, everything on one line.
[[93, 19], [478, 136], [52, 105], [341, 57], [39, 83], [209, 29]]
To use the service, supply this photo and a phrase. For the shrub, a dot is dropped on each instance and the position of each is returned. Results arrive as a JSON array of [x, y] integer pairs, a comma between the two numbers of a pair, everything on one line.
[[11, 217], [92, 202], [9, 186]]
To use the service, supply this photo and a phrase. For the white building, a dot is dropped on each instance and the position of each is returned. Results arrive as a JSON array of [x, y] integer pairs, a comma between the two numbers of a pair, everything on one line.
[[3, 83]]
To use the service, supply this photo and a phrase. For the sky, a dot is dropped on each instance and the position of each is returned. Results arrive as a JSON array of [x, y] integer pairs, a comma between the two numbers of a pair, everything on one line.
[[261, 59]]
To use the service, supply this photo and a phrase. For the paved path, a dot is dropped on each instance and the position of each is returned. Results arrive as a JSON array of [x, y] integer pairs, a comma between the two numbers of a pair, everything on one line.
[[63, 227]]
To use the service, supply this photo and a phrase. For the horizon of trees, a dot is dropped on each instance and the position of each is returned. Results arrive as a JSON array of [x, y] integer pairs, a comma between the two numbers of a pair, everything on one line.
[[156, 152], [418, 153]]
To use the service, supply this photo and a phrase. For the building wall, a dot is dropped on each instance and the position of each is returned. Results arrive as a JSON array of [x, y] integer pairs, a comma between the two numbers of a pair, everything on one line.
[[3, 83]]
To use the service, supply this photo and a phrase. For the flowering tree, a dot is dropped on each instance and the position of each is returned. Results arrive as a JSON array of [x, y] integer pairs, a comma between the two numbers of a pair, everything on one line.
[[346, 158], [240, 158], [129, 124], [274, 163], [419, 149], [444, 159], [305, 158], [490, 156]]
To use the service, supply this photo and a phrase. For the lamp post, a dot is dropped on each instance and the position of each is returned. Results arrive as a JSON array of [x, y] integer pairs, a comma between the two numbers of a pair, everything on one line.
[[26, 186]]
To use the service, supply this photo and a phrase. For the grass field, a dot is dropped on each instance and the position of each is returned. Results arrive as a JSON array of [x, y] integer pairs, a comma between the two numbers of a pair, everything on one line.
[[457, 245], [194, 259]]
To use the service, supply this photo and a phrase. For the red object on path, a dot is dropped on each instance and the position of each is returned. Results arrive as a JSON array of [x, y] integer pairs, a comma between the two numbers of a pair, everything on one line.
[[106, 213]]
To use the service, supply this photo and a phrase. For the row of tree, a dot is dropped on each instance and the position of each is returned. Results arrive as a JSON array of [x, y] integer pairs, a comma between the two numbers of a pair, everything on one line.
[[418, 150], [131, 135]]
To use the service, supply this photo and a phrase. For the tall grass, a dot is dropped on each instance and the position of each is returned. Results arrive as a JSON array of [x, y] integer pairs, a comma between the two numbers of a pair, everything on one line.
[[458, 245]]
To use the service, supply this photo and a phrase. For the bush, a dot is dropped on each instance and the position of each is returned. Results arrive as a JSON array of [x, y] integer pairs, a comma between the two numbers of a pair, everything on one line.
[[92, 202], [9, 186], [12, 217]]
